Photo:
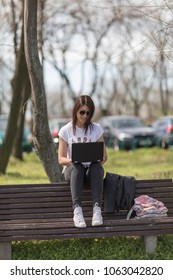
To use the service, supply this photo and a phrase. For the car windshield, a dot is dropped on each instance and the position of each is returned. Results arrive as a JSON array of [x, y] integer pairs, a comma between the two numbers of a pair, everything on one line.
[[62, 123], [127, 123], [3, 126], [56, 125]]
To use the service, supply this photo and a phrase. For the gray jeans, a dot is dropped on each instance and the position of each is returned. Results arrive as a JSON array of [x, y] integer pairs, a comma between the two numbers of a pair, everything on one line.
[[78, 175]]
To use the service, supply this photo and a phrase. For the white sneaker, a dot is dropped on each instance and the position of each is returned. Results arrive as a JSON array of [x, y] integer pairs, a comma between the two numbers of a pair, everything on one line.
[[78, 218], [97, 219]]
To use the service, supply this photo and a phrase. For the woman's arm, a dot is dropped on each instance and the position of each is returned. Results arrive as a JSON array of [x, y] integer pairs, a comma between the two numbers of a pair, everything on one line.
[[101, 139], [62, 153]]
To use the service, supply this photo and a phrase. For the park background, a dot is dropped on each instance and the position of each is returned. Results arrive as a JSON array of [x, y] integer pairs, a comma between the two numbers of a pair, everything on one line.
[[120, 53]]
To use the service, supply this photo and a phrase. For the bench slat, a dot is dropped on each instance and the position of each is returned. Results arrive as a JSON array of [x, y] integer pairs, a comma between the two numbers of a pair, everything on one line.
[[70, 231]]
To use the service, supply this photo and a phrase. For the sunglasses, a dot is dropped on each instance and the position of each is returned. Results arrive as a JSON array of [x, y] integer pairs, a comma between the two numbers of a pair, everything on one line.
[[83, 112]]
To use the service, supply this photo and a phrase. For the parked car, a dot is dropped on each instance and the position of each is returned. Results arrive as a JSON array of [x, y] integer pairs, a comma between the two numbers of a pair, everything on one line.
[[126, 132], [26, 141], [164, 131], [55, 125]]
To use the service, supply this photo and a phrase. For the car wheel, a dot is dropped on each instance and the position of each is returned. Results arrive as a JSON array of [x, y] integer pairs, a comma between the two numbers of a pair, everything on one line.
[[164, 144], [116, 145]]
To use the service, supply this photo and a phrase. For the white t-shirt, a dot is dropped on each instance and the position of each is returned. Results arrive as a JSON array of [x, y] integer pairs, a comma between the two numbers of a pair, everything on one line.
[[66, 133]]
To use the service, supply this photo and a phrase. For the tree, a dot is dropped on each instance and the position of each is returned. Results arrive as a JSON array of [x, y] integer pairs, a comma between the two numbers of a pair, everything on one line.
[[26, 93], [42, 138], [17, 85]]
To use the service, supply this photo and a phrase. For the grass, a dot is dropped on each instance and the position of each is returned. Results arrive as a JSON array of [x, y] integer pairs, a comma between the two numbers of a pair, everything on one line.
[[141, 163], [29, 171], [115, 248]]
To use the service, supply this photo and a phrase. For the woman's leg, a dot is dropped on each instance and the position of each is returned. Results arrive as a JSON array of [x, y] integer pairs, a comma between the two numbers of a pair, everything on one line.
[[95, 174], [75, 175]]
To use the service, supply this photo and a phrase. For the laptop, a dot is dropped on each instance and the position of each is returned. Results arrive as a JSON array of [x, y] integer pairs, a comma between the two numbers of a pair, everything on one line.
[[87, 152]]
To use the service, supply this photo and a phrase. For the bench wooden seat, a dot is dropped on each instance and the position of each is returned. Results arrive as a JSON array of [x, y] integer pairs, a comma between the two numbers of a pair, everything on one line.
[[44, 212]]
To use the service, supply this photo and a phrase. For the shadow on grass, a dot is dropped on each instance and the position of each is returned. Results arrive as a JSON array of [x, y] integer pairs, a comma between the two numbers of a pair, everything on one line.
[[13, 175]]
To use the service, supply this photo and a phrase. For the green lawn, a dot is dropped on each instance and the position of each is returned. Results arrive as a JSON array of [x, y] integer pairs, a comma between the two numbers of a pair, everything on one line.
[[29, 170], [141, 163]]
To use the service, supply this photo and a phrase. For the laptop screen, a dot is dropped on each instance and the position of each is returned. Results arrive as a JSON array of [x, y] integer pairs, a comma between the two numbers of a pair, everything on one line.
[[87, 152]]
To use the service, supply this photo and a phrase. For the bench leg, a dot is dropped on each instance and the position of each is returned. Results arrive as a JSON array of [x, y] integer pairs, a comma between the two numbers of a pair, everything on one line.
[[150, 242], [5, 250]]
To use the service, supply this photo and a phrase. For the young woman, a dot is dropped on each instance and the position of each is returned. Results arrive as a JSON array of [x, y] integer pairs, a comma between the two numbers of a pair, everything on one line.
[[82, 129]]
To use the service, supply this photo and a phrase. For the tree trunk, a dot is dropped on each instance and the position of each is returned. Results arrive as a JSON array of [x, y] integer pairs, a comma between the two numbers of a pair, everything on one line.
[[26, 93], [42, 138], [17, 84]]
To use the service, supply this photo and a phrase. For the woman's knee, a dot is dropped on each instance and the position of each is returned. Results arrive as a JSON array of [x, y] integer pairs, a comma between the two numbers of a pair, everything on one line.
[[97, 168], [74, 170], [78, 167]]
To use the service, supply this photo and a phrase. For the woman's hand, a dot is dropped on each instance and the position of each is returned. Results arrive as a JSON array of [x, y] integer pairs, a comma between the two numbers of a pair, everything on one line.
[[104, 160], [62, 153], [101, 139]]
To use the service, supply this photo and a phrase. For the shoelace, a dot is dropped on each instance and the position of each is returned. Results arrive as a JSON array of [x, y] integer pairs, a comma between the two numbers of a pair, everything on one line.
[[97, 211], [79, 216]]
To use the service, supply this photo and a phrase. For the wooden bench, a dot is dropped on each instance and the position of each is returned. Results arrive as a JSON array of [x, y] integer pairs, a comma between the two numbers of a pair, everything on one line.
[[44, 212]]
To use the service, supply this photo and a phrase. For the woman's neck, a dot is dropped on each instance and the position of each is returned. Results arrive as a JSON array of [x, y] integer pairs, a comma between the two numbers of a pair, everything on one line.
[[80, 125]]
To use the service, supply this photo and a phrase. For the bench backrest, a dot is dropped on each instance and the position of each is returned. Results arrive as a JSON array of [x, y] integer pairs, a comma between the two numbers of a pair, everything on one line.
[[51, 201]]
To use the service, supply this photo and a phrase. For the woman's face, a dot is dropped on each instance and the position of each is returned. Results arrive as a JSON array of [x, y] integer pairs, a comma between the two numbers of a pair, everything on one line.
[[82, 115]]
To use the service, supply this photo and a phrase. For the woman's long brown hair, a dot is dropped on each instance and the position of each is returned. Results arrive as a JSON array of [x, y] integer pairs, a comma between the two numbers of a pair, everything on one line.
[[81, 101]]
